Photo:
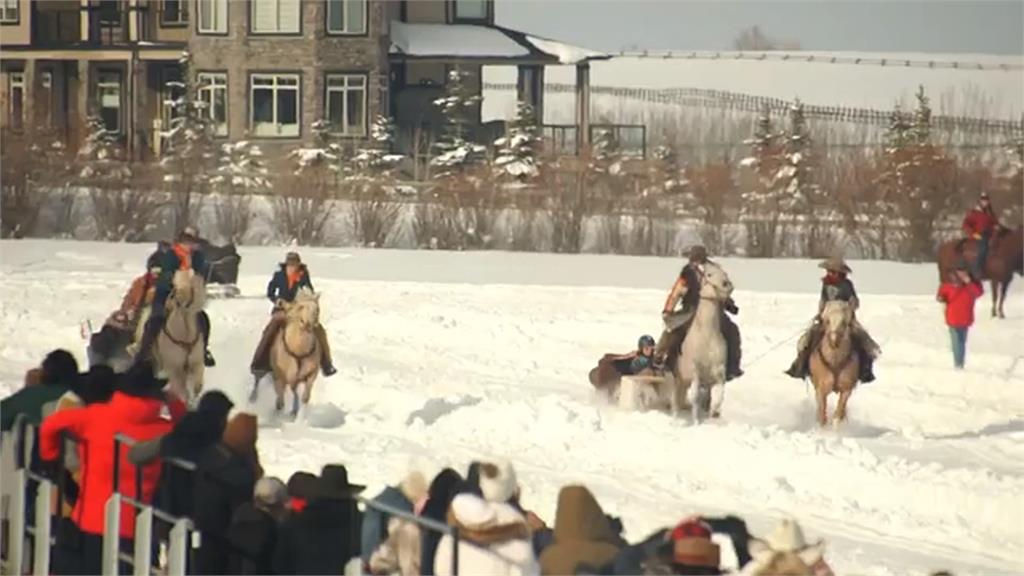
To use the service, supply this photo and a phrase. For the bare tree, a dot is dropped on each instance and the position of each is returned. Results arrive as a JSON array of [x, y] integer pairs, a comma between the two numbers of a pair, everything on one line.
[[308, 190], [241, 174], [19, 205], [374, 213]]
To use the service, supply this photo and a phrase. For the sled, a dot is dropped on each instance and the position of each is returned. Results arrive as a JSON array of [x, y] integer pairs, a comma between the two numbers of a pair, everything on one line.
[[635, 392], [222, 277]]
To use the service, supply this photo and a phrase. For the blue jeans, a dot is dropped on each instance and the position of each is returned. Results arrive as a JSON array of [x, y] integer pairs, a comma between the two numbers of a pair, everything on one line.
[[959, 338]]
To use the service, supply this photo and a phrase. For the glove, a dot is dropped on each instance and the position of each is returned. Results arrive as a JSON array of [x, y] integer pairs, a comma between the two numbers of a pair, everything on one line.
[[731, 307], [976, 236]]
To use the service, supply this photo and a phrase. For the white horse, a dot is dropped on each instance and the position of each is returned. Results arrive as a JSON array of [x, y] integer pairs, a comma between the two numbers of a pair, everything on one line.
[[178, 350], [703, 355]]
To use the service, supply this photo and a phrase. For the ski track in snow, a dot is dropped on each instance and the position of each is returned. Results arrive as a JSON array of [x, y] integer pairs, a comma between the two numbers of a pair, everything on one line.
[[927, 474]]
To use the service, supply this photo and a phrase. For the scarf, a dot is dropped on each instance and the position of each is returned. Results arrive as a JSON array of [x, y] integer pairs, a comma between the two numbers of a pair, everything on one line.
[[293, 279], [184, 255]]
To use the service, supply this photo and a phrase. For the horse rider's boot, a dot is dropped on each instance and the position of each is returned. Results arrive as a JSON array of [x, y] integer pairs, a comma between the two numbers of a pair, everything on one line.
[[326, 365], [731, 334], [149, 334], [260, 365], [204, 326], [866, 372], [798, 369]]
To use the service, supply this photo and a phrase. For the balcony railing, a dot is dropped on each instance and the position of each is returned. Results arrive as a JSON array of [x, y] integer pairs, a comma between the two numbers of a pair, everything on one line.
[[108, 26]]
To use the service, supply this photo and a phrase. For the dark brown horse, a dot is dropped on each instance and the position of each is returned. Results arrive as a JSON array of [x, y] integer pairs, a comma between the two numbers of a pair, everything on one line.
[[1005, 257]]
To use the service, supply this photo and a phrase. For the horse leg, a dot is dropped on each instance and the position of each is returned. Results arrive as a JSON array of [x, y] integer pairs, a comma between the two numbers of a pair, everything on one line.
[[822, 395], [717, 397], [295, 399], [844, 397], [279, 386], [1004, 288], [995, 297], [255, 390], [676, 395]]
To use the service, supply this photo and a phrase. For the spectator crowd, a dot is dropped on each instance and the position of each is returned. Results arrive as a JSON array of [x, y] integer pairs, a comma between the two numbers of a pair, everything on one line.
[[251, 523]]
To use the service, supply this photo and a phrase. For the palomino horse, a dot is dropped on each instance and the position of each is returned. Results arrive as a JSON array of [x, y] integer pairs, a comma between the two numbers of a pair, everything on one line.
[[1005, 257], [703, 354], [178, 349], [295, 353], [834, 363]]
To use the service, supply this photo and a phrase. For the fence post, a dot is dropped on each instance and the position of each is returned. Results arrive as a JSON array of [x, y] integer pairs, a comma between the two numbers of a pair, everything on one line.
[[178, 549], [141, 559], [41, 552], [112, 533], [16, 526]]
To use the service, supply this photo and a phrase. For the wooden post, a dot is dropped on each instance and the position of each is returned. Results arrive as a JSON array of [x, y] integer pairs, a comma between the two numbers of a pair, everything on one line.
[[582, 106], [84, 19]]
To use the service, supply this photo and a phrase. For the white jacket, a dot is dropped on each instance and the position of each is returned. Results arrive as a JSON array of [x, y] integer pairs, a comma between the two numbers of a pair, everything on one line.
[[494, 540]]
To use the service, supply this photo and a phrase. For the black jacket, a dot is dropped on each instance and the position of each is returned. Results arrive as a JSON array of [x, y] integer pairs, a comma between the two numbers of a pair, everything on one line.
[[319, 540], [278, 288], [224, 482], [252, 538]]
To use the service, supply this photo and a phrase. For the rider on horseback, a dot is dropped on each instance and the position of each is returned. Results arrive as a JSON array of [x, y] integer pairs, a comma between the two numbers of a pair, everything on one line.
[[836, 285], [283, 286], [687, 290], [981, 224], [184, 254]]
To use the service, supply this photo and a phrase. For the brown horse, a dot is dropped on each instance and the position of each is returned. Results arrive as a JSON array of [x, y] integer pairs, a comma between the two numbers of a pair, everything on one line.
[[834, 363], [1005, 257]]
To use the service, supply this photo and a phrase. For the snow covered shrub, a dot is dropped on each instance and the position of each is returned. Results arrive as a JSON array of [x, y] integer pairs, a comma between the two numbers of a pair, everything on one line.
[[455, 150], [516, 156], [435, 225], [19, 204], [373, 211], [307, 188], [124, 207], [241, 173], [713, 196], [189, 153]]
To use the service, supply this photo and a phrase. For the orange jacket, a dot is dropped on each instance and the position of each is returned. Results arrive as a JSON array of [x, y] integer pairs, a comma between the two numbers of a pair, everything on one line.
[[141, 293]]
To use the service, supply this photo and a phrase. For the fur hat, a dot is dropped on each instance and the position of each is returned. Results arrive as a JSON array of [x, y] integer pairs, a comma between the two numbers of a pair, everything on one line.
[[414, 486], [241, 432], [788, 536], [498, 481], [835, 264], [692, 545], [270, 492]]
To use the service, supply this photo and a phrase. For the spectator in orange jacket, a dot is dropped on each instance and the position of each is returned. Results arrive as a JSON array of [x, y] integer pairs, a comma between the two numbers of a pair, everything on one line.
[[134, 410], [981, 224], [959, 294]]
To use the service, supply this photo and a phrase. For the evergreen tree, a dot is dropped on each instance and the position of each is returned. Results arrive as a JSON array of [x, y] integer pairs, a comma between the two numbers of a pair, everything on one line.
[[376, 161], [189, 154], [455, 149], [763, 204], [373, 213], [517, 150]]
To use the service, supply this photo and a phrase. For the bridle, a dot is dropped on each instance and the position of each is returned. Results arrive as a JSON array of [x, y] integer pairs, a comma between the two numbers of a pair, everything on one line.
[[835, 370]]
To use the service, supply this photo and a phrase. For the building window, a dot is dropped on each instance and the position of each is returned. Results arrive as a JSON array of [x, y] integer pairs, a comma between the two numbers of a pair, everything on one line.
[[275, 16], [9, 13], [108, 97], [171, 90], [46, 87], [213, 92], [16, 100], [174, 12], [213, 16], [274, 105], [110, 13], [346, 16], [471, 9], [346, 104]]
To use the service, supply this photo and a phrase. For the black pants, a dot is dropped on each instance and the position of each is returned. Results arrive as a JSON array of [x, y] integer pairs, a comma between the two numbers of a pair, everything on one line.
[[78, 552]]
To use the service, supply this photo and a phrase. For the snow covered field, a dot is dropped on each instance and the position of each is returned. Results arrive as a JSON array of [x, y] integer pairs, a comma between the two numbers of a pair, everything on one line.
[[461, 355]]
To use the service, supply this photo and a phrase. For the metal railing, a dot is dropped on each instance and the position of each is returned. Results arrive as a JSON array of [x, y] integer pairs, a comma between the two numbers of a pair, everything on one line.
[[40, 533]]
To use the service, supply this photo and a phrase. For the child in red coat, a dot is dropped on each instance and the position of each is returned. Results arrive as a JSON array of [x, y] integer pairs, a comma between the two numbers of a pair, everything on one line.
[[959, 294]]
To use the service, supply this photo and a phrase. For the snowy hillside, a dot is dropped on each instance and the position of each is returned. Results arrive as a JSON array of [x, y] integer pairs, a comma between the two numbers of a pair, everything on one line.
[[458, 355], [980, 86]]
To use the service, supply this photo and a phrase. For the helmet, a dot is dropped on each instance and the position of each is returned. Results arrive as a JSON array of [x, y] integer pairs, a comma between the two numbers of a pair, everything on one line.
[[645, 340], [697, 253]]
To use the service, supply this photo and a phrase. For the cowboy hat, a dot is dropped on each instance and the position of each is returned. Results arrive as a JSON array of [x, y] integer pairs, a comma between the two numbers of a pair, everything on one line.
[[333, 483], [292, 257], [835, 264], [788, 536]]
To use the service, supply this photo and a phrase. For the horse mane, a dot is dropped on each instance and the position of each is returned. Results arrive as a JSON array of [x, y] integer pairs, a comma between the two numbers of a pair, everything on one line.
[[835, 307], [305, 295]]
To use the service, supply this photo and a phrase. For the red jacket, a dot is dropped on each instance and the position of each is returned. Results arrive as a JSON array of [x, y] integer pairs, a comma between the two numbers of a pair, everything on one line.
[[95, 427], [978, 222], [960, 302]]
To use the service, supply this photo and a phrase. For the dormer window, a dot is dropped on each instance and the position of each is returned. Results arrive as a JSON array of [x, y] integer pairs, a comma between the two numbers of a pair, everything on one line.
[[471, 10]]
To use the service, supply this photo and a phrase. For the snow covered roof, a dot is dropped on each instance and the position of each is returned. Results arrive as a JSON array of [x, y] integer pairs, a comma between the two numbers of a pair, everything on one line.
[[479, 41]]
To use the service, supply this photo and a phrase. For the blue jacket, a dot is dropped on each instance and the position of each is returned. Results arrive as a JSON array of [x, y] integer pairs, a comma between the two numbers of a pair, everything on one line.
[[169, 264], [375, 522], [278, 288]]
